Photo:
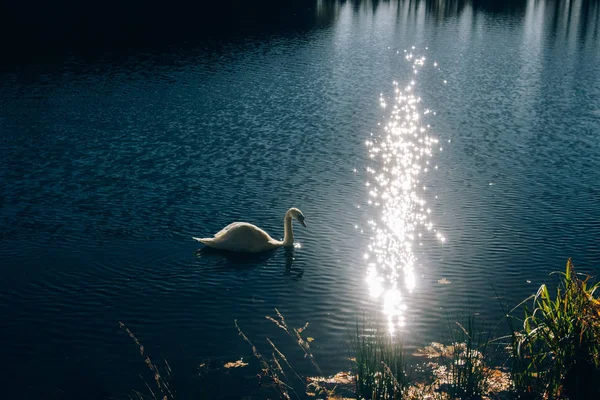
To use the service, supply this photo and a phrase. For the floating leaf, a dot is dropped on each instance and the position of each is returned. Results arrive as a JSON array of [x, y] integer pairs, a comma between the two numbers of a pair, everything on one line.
[[341, 378], [235, 364]]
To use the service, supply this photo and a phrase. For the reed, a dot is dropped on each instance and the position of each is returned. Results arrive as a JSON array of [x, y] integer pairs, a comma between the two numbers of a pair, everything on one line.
[[380, 369]]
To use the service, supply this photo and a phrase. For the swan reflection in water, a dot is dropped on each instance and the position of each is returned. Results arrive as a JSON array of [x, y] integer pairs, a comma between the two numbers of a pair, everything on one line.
[[400, 156], [295, 273], [251, 260]]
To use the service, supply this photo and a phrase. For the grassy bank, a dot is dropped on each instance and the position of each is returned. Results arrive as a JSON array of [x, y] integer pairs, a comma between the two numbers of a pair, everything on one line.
[[551, 351]]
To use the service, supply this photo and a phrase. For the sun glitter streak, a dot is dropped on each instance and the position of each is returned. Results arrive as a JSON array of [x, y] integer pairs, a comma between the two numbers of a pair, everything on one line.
[[400, 155]]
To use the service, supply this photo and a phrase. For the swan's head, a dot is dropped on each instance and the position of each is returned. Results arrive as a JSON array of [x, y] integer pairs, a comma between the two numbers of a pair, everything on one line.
[[297, 214]]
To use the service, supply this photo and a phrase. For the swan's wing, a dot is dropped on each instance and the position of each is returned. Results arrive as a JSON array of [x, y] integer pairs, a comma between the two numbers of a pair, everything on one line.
[[219, 236], [242, 230], [242, 236], [228, 228]]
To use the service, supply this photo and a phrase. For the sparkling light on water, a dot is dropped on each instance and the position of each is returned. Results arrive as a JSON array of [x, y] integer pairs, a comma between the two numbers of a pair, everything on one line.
[[400, 156]]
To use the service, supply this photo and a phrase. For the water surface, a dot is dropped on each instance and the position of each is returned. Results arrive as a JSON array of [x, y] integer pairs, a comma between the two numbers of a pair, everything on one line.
[[111, 163]]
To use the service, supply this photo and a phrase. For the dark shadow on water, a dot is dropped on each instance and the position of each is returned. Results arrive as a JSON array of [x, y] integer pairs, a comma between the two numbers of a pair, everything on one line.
[[45, 38], [54, 31]]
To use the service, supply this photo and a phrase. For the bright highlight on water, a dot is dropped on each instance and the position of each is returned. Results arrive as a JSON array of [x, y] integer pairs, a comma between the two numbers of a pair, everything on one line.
[[400, 157]]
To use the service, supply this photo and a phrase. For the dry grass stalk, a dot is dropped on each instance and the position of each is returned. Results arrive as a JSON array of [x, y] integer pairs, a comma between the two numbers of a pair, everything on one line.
[[267, 369], [163, 387], [304, 345]]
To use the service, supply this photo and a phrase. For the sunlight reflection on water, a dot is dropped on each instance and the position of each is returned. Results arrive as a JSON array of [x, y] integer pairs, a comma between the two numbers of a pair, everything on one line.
[[400, 155]]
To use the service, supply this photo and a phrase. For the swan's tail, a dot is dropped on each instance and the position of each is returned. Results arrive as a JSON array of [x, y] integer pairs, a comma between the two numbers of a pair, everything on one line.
[[206, 241]]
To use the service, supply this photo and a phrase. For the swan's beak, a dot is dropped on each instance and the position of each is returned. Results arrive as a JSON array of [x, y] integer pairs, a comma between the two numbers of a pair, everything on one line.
[[303, 223]]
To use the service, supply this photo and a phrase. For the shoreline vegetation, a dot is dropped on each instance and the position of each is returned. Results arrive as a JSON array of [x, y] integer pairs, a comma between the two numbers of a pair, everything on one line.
[[551, 351]]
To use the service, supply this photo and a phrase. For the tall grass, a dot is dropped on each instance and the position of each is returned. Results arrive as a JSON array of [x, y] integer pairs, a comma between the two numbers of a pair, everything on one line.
[[380, 367], [465, 361], [557, 353]]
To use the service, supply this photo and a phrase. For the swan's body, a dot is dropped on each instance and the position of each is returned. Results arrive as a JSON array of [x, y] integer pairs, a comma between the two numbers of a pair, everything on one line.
[[248, 238]]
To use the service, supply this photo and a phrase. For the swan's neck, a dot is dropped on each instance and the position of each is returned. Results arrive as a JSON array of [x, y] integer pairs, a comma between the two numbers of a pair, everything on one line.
[[288, 233]]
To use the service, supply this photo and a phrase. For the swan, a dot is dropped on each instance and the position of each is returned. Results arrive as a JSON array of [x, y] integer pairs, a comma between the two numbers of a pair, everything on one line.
[[247, 238]]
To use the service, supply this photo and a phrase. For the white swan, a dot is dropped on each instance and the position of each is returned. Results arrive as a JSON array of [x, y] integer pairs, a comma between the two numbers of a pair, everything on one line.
[[248, 238]]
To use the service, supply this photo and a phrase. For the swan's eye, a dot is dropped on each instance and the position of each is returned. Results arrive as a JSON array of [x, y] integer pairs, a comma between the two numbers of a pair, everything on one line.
[[300, 217]]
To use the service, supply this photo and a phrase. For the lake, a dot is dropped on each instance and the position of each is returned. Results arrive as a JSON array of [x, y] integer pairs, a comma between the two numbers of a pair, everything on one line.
[[446, 157]]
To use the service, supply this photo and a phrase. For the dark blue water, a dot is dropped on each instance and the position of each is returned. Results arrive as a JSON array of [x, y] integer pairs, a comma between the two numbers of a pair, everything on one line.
[[109, 164]]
